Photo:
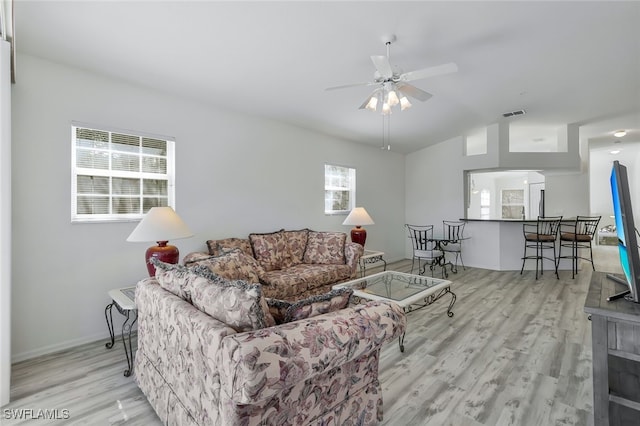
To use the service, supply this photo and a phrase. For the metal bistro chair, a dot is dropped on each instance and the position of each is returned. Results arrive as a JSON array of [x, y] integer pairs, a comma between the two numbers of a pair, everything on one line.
[[578, 235], [453, 231], [424, 248], [541, 236]]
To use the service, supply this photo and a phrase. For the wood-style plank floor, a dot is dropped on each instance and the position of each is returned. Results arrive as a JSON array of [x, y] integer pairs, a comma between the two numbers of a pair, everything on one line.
[[517, 352]]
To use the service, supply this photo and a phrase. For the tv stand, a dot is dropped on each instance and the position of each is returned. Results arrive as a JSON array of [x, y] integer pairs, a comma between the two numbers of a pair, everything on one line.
[[619, 280], [615, 341]]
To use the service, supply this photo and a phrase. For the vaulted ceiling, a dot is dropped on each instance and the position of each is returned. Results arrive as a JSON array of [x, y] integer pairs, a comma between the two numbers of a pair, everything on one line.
[[562, 62]]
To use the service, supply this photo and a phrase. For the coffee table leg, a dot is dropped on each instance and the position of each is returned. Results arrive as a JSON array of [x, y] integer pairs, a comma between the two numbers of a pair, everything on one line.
[[401, 342], [109, 317], [453, 301]]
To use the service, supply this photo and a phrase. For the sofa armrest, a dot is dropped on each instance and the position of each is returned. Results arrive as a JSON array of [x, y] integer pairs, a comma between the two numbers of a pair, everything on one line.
[[181, 344], [259, 364], [352, 253]]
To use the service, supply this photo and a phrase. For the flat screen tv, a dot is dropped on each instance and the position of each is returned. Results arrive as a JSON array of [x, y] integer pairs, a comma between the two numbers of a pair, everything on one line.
[[626, 231]]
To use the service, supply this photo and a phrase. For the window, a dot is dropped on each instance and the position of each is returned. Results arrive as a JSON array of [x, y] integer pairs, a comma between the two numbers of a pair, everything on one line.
[[512, 204], [118, 175], [339, 189]]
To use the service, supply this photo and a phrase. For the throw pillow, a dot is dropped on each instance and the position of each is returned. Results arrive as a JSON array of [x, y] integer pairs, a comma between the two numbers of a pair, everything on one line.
[[216, 247], [232, 265], [297, 243], [283, 311], [173, 278], [270, 250], [325, 248], [238, 304]]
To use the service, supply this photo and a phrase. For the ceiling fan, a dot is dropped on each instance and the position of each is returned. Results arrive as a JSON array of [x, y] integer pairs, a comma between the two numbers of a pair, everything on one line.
[[393, 85]]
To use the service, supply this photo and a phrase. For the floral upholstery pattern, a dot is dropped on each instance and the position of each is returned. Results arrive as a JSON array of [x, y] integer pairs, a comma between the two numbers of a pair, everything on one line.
[[237, 304], [294, 278], [173, 278], [216, 247], [297, 243], [325, 248], [284, 311], [270, 250], [232, 265], [195, 370]]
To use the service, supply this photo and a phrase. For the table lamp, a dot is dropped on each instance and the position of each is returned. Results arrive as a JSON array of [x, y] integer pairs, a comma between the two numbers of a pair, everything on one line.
[[160, 224], [358, 217]]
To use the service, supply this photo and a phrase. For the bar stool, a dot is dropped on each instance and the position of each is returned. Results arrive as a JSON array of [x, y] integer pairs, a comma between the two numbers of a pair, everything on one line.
[[541, 236], [578, 235]]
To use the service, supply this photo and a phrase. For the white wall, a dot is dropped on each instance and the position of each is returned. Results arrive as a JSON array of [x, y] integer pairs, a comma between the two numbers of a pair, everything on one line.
[[235, 175], [434, 185], [601, 162], [5, 222]]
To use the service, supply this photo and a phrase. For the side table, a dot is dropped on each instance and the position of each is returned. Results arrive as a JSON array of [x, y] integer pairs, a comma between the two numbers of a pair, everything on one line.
[[124, 301], [369, 257]]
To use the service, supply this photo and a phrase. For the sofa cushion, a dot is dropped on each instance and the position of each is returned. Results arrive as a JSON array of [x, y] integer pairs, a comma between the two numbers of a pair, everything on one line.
[[238, 304], [173, 278], [325, 248], [270, 250], [297, 243], [216, 246], [284, 311], [232, 265], [283, 284], [320, 275]]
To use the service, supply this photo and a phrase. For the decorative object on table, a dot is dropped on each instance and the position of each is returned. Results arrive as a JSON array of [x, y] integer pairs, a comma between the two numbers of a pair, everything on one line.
[[358, 217], [160, 224]]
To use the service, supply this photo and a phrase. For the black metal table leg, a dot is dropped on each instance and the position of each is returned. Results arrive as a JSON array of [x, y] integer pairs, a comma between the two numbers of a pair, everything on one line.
[[126, 341], [109, 317], [453, 301]]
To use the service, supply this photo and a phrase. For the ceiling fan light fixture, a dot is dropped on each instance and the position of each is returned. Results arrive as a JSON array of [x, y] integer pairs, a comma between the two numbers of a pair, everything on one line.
[[373, 103], [620, 133], [404, 103], [392, 98], [386, 109]]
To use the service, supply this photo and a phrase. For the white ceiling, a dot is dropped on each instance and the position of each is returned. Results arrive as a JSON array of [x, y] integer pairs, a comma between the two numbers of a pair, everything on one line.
[[563, 62]]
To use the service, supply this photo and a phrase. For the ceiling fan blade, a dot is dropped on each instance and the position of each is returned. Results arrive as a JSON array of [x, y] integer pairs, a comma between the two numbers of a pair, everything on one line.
[[345, 86], [429, 72], [383, 66], [414, 92]]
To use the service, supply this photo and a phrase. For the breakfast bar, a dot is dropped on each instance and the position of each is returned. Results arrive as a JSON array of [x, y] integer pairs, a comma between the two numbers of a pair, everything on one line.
[[497, 244]]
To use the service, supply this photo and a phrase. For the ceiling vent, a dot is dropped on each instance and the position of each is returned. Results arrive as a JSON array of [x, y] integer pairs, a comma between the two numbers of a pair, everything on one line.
[[513, 113]]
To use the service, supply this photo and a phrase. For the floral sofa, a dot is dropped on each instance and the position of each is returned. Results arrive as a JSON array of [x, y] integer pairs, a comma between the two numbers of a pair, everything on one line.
[[210, 353], [289, 264]]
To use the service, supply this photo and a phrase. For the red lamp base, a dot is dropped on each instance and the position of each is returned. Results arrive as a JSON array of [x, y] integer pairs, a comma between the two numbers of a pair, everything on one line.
[[359, 235], [163, 252]]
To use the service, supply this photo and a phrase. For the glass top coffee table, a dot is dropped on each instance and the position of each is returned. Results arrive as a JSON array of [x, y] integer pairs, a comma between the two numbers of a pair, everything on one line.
[[409, 291]]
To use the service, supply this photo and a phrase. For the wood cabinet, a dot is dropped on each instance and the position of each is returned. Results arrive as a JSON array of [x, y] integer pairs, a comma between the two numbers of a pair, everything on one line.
[[616, 354]]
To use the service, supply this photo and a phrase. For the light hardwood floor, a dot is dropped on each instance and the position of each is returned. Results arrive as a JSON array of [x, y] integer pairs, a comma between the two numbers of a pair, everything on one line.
[[517, 352]]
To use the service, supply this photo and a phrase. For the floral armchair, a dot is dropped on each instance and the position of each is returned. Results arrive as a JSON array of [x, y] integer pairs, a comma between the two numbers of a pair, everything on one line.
[[197, 370]]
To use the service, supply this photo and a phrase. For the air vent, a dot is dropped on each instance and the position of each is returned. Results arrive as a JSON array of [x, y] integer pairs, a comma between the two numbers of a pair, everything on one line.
[[513, 113]]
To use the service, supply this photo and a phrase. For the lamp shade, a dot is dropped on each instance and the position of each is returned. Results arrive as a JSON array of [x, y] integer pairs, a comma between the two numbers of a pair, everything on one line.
[[160, 224], [358, 217]]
